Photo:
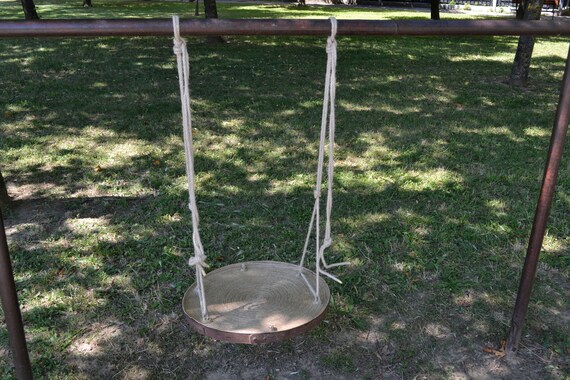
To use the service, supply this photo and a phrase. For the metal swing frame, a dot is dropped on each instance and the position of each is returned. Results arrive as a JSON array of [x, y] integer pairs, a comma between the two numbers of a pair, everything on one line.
[[163, 27]]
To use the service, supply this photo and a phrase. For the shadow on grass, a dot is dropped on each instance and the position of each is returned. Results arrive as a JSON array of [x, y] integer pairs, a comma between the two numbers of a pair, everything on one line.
[[438, 168]]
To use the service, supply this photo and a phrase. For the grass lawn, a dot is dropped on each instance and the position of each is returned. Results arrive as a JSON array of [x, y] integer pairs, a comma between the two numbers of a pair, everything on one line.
[[437, 174]]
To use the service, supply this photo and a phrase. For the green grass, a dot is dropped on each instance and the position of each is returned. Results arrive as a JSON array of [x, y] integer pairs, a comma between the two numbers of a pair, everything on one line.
[[437, 173]]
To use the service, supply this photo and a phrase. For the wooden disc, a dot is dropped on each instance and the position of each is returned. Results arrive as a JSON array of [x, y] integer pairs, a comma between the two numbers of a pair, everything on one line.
[[257, 302]]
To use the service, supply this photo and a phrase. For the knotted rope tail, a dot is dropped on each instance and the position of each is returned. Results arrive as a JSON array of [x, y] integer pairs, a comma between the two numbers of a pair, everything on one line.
[[328, 118], [199, 258]]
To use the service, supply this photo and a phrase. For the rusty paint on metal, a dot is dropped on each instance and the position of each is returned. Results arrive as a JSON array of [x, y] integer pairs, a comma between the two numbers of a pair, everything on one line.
[[11, 307], [553, 160]]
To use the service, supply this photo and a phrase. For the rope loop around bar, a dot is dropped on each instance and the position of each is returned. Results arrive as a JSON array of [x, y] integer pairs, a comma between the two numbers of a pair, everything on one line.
[[331, 40]]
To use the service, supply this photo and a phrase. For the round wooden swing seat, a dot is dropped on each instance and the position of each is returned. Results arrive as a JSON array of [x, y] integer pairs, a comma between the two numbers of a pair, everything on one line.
[[257, 302]]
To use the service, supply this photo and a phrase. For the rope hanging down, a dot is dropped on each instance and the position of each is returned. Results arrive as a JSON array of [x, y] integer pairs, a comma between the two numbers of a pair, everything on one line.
[[328, 120], [199, 258], [328, 117]]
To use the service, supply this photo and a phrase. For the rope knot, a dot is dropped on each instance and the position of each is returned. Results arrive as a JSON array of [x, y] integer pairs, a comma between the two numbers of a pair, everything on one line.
[[179, 44], [331, 41], [331, 45], [199, 261]]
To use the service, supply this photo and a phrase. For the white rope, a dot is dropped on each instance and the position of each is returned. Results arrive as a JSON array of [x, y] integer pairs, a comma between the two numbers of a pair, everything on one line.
[[199, 258], [327, 119]]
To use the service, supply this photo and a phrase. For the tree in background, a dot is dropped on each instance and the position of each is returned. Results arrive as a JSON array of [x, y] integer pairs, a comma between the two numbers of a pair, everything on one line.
[[528, 10], [435, 9], [87, 3], [211, 11], [30, 10]]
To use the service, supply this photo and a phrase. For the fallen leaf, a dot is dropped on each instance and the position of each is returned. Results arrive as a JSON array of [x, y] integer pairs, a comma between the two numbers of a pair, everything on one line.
[[97, 168], [500, 352]]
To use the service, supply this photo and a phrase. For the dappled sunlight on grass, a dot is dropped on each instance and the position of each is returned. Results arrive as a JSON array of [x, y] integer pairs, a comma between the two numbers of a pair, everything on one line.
[[537, 132], [439, 178], [438, 164]]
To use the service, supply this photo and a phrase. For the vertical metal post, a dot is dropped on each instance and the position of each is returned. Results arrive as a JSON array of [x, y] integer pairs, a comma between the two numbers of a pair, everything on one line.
[[4, 197], [11, 309], [542, 211]]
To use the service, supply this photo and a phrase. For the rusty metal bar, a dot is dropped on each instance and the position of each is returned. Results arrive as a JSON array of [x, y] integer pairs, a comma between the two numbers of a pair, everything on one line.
[[202, 27], [4, 197], [553, 160], [11, 309]]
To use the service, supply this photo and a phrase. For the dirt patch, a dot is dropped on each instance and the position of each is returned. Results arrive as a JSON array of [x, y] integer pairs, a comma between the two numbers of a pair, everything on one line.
[[114, 350]]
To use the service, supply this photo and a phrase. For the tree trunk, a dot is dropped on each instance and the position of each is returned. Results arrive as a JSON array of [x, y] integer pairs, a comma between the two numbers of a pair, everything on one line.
[[435, 9], [30, 10], [211, 11], [4, 198], [520, 10], [521, 66], [87, 3], [197, 9]]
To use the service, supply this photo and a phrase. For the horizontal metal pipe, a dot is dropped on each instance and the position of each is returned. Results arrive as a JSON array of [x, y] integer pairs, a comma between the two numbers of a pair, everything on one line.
[[203, 27]]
